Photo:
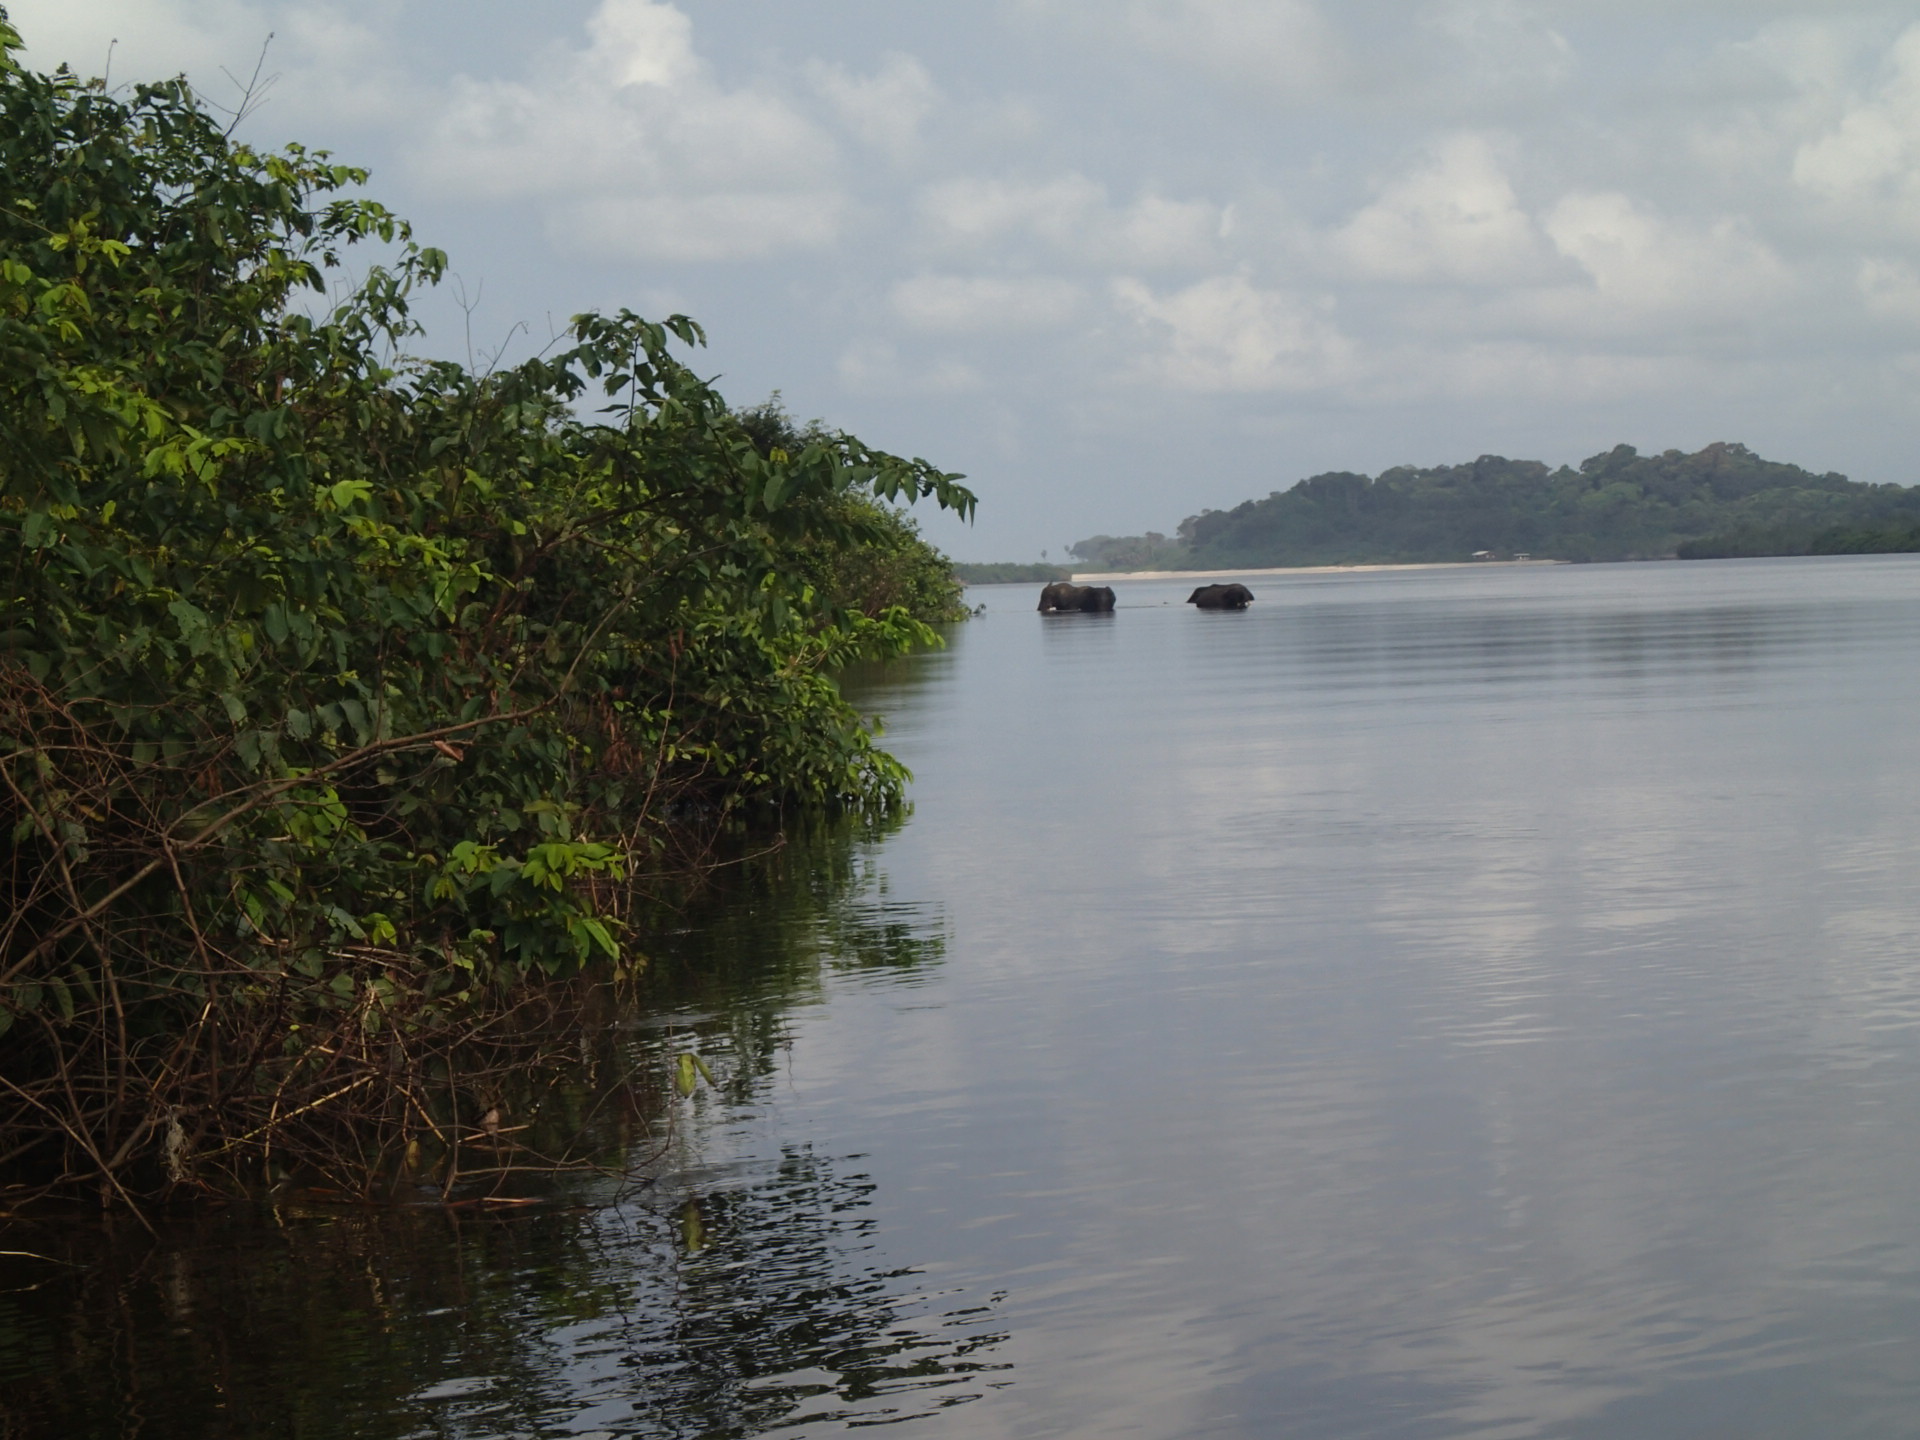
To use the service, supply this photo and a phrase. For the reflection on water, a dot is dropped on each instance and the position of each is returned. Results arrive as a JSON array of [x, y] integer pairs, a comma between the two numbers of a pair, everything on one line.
[[718, 1312], [729, 1291], [1450, 1003], [1457, 1003]]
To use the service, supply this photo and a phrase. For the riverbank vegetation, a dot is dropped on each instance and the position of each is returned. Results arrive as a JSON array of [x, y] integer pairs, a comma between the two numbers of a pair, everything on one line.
[[1883, 537], [760, 939], [354, 703], [1121, 553], [1617, 506], [1009, 573]]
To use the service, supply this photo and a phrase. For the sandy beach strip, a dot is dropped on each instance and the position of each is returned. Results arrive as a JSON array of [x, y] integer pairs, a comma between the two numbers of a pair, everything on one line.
[[1081, 579]]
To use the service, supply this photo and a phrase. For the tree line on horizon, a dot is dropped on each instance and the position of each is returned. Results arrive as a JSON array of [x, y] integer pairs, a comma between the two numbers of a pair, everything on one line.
[[1721, 501]]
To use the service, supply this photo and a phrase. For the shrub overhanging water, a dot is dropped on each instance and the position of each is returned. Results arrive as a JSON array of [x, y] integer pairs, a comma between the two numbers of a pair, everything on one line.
[[345, 696]]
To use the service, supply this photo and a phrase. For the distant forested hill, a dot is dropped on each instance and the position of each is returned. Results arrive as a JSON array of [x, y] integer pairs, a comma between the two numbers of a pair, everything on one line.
[[1007, 573], [1618, 506]]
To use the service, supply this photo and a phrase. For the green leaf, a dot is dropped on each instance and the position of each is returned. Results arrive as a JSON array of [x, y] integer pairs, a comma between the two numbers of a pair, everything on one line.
[[346, 493], [776, 486], [598, 932]]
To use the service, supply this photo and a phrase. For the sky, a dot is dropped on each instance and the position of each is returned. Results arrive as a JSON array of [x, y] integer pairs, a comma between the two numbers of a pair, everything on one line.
[[1120, 261]]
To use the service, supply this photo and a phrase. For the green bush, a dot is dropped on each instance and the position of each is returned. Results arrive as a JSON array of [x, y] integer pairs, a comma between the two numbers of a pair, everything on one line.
[[342, 690], [892, 567]]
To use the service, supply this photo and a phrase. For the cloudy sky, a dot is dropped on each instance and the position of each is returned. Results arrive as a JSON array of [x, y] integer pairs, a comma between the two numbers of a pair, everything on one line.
[[1120, 260]]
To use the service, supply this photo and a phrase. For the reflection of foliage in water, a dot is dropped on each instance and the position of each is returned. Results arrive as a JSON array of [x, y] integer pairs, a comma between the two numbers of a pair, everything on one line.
[[766, 935], [541, 1324], [770, 1322], [720, 1313], [782, 914]]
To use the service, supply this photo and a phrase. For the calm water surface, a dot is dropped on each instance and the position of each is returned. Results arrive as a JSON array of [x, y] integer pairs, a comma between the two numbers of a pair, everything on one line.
[[1452, 1003]]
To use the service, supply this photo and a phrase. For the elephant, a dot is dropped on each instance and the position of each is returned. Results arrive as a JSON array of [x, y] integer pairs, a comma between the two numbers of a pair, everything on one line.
[[1062, 596], [1221, 597]]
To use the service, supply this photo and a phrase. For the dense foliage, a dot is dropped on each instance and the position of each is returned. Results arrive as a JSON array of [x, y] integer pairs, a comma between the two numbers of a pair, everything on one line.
[[344, 690], [890, 566], [998, 572], [1885, 537], [1891, 537], [1151, 551], [1618, 506]]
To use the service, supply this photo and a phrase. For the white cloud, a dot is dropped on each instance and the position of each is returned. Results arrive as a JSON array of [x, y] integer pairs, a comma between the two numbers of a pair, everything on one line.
[[155, 38], [1871, 156], [492, 140], [742, 225], [1280, 46], [1276, 48], [963, 304], [884, 110], [1649, 273], [324, 62], [1071, 215], [1814, 56], [1502, 45], [1226, 334], [970, 211], [638, 42], [1454, 219], [1157, 231], [1890, 289], [876, 367], [1509, 369], [638, 151]]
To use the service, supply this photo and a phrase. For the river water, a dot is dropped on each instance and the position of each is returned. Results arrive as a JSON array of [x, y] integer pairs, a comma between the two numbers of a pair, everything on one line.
[[1477, 1002]]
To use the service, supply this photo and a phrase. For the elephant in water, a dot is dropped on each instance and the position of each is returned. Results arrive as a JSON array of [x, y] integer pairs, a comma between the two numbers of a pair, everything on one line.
[[1062, 596], [1221, 597]]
